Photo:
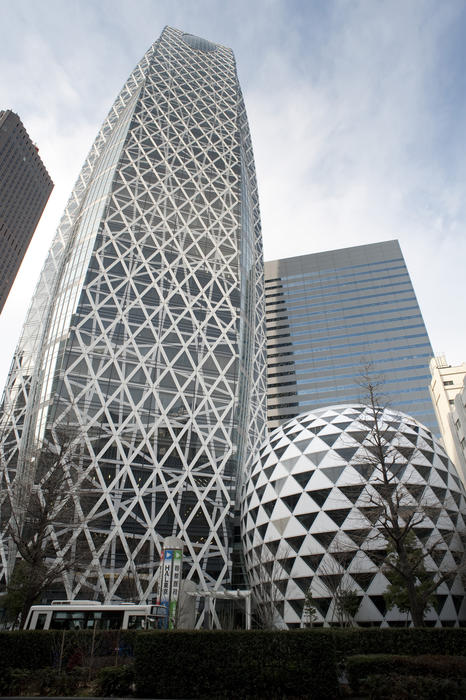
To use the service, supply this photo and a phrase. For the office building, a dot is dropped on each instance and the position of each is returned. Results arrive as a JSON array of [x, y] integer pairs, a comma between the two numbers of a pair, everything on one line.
[[328, 316], [25, 187], [147, 332], [459, 422], [449, 398], [312, 517]]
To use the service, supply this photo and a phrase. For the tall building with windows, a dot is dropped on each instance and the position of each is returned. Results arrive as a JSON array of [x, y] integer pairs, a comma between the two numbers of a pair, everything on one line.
[[459, 422], [448, 394], [146, 335], [328, 315], [25, 187]]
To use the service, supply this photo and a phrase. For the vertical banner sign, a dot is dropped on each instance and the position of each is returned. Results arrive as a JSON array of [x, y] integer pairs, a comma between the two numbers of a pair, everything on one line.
[[166, 564], [175, 586], [170, 583]]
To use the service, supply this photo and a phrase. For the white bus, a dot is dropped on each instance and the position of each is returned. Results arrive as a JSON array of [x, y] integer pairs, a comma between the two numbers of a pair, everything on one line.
[[87, 614]]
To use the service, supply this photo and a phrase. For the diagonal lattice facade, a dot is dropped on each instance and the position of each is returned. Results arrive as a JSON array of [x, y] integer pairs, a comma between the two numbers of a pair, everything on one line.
[[146, 333]]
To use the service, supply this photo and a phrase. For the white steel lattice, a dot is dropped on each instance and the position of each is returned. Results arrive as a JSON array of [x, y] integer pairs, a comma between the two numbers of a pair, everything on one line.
[[146, 334]]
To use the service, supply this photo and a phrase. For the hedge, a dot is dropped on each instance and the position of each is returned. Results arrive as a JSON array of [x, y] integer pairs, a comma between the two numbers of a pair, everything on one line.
[[437, 640], [43, 682], [33, 649], [115, 681], [361, 667], [225, 664], [395, 687], [27, 650], [237, 664]]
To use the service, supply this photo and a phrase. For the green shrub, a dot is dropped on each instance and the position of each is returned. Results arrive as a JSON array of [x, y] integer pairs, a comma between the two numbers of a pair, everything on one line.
[[115, 681], [395, 687], [400, 641], [14, 681], [33, 649], [26, 649], [45, 682], [361, 667], [238, 664]]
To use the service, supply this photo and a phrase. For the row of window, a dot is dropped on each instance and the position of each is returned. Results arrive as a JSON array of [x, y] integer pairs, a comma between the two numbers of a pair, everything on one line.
[[305, 392], [285, 278], [318, 283], [351, 398], [324, 316], [291, 307], [321, 372], [347, 354], [312, 328], [328, 313], [306, 294], [365, 334], [330, 348], [320, 367]]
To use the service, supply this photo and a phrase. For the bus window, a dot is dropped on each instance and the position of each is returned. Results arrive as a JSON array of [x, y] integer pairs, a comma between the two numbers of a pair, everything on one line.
[[40, 623], [86, 619], [158, 617], [136, 622], [155, 623], [109, 619], [66, 620]]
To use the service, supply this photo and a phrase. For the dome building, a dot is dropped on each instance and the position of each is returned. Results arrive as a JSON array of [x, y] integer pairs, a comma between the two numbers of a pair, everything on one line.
[[310, 514]]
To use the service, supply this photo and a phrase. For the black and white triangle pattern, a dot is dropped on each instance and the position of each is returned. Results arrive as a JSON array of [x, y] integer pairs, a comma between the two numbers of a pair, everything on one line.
[[307, 506]]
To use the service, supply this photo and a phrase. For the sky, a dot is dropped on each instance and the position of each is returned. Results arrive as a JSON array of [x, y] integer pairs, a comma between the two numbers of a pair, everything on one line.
[[357, 110]]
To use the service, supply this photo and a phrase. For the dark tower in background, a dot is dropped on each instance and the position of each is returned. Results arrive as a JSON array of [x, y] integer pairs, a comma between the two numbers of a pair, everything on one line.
[[25, 187]]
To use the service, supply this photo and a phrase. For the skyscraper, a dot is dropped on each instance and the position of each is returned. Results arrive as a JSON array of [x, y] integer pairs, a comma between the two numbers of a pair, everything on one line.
[[146, 335], [329, 314], [447, 391], [25, 187]]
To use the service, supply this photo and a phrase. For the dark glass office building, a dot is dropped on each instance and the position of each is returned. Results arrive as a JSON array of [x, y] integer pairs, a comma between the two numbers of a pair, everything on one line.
[[25, 187], [329, 314]]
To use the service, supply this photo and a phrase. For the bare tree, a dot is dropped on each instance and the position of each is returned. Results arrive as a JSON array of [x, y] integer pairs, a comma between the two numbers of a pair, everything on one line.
[[267, 581], [309, 610], [333, 579], [395, 508], [37, 521]]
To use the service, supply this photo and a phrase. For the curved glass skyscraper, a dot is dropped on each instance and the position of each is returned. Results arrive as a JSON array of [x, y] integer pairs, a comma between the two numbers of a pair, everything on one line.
[[146, 334]]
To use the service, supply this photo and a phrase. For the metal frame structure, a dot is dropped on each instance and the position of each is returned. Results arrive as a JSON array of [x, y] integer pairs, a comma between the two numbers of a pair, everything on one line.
[[146, 334]]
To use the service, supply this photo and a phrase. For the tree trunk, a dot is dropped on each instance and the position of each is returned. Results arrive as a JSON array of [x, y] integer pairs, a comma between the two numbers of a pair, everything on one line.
[[415, 605], [29, 599]]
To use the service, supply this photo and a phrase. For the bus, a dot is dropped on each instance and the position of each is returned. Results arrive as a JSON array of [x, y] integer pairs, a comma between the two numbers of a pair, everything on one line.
[[87, 614]]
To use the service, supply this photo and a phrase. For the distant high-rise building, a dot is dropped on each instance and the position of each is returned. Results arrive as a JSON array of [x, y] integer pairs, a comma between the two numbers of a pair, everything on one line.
[[459, 422], [448, 393], [146, 336], [25, 187], [328, 315]]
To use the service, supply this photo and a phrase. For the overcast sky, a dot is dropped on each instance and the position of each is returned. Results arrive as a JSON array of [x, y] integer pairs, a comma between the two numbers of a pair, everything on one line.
[[356, 108]]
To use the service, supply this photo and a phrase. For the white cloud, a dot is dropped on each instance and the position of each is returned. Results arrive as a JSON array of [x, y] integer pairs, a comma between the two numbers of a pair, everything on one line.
[[352, 110]]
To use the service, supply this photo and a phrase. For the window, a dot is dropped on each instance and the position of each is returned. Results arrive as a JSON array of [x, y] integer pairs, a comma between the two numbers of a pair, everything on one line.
[[85, 619], [448, 383], [41, 618]]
